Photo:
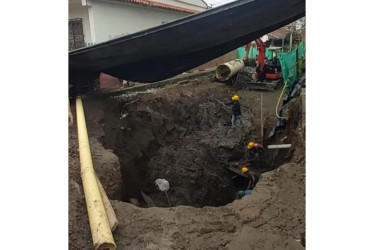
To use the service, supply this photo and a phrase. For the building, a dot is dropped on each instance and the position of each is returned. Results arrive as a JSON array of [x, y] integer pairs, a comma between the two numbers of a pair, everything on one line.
[[96, 21]]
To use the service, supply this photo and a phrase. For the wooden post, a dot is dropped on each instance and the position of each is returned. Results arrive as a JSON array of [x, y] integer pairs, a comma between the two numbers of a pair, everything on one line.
[[167, 196], [262, 125]]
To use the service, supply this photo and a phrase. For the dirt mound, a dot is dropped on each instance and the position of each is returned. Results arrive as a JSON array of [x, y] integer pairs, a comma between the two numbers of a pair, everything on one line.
[[272, 217]]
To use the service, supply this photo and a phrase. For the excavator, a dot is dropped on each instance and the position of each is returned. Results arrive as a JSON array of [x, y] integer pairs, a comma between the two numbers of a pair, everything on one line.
[[266, 70], [259, 74]]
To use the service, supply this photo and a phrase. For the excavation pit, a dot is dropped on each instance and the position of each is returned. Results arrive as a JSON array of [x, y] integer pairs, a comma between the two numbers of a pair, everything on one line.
[[180, 133]]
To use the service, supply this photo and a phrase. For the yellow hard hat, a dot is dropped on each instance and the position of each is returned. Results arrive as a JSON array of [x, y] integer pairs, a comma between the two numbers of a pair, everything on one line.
[[235, 98], [244, 170], [251, 144]]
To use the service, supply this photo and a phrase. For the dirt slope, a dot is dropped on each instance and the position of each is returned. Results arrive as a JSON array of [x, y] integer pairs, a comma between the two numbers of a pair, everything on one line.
[[272, 217]]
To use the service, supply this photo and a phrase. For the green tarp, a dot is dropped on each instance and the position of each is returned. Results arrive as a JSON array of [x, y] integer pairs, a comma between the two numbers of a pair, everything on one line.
[[268, 54], [288, 64], [300, 58], [291, 72], [253, 52], [301, 50], [241, 52]]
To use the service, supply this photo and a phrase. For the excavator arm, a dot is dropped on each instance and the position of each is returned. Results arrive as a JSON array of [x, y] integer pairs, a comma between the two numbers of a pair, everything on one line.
[[261, 47]]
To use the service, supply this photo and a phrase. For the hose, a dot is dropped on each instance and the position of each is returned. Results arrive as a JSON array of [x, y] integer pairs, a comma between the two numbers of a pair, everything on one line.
[[276, 109], [281, 95]]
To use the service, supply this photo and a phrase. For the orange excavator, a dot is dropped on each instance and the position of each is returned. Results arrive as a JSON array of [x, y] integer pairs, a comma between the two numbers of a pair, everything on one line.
[[266, 69]]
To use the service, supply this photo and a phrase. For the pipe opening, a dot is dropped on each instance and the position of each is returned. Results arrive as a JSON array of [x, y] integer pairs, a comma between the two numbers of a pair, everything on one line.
[[229, 69], [105, 246], [223, 72]]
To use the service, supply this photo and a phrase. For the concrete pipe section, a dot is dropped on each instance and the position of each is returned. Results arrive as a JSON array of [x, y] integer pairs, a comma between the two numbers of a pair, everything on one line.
[[227, 70]]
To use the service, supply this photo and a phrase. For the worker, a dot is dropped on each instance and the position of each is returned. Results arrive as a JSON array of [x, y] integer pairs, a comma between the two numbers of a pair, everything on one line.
[[242, 193], [255, 149], [236, 112], [253, 178], [253, 152], [71, 118]]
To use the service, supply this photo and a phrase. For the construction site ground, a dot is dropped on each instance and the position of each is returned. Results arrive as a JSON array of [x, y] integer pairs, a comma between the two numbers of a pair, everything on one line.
[[182, 133]]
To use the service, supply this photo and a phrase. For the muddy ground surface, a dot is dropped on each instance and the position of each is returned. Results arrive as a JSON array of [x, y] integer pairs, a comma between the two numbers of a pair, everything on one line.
[[182, 133]]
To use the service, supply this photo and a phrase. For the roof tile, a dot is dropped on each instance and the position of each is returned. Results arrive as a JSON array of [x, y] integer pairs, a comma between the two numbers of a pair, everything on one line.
[[160, 5], [279, 33]]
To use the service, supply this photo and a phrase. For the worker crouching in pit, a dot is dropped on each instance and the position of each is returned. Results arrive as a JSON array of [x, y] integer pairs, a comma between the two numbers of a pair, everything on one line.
[[252, 178], [252, 181], [254, 152], [253, 155]]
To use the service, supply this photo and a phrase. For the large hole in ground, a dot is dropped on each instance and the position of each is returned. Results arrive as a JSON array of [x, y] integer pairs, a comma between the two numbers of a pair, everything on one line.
[[181, 135]]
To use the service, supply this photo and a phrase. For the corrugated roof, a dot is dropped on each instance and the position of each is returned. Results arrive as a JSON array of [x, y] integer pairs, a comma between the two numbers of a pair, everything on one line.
[[279, 33], [160, 5]]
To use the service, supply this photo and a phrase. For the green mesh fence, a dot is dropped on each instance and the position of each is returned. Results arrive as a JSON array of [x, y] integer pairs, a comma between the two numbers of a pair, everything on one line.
[[291, 72], [253, 52], [241, 52], [268, 54], [301, 59], [288, 64], [301, 50]]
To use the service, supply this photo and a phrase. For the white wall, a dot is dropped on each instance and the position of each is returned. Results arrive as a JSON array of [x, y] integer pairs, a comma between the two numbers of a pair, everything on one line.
[[76, 10], [113, 19]]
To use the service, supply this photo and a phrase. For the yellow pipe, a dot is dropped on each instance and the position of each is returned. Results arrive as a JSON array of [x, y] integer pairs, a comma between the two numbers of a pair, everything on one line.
[[110, 214], [100, 229], [280, 96]]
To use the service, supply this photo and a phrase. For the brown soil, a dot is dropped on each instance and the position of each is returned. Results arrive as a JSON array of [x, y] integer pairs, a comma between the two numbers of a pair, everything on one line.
[[182, 133]]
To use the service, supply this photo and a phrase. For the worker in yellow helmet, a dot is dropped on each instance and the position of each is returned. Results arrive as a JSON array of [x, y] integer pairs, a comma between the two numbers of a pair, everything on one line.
[[253, 178], [236, 111], [253, 152], [255, 149]]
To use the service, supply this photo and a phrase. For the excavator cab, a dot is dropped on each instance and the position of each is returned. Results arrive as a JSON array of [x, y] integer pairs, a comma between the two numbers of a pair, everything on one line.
[[266, 69], [272, 69]]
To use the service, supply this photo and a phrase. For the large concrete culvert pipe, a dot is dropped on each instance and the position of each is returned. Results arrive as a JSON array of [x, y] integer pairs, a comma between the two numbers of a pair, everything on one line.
[[227, 70]]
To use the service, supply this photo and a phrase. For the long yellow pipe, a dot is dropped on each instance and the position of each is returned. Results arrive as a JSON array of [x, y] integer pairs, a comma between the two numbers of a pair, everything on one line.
[[100, 229]]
